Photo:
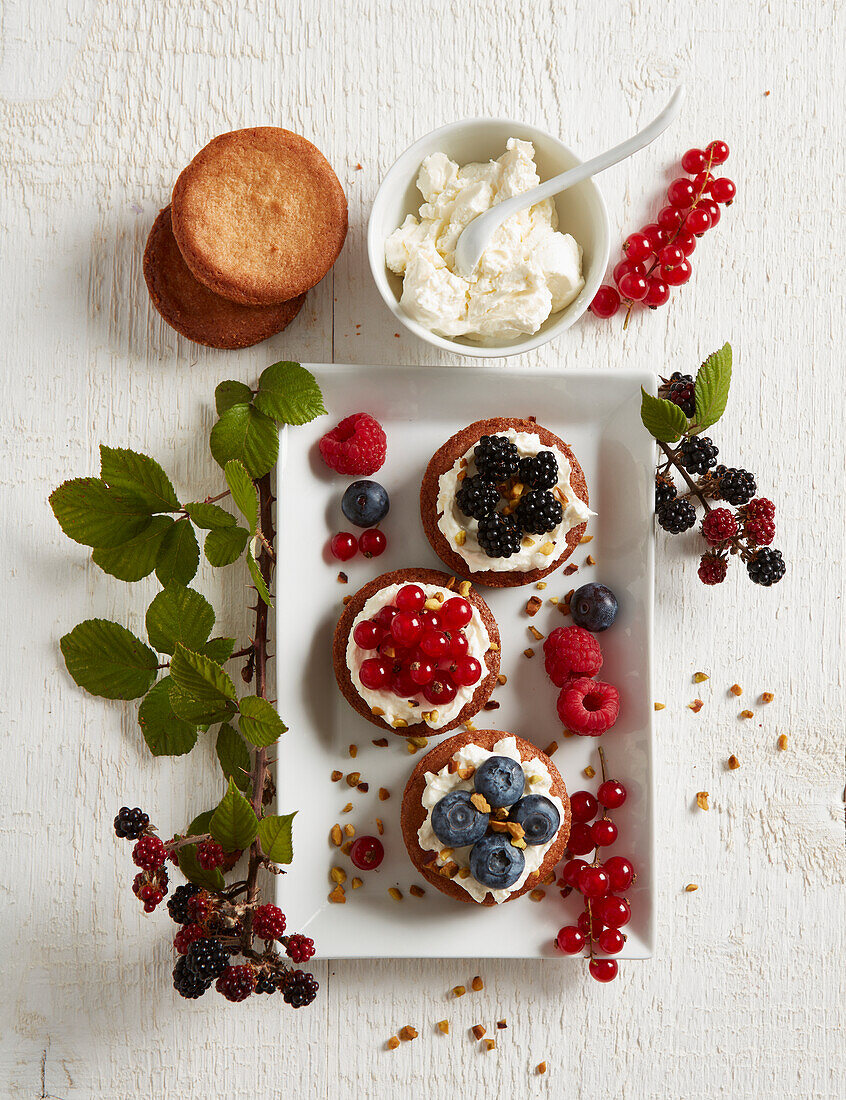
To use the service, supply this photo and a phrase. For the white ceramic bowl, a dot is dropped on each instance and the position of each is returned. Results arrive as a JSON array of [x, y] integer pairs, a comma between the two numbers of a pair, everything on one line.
[[581, 212]]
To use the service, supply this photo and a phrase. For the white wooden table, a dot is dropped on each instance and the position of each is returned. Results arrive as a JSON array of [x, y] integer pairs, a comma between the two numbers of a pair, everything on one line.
[[100, 105]]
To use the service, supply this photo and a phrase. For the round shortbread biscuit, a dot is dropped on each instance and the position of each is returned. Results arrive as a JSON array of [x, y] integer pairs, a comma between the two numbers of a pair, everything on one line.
[[259, 215], [413, 813]]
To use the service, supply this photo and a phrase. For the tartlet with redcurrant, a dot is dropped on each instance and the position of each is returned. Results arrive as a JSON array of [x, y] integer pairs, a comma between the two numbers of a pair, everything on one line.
[[485, 816], [504, 501], [416, 652]]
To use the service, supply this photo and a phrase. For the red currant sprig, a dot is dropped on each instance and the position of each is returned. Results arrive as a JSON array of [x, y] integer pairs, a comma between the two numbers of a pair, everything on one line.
[[657, 257]]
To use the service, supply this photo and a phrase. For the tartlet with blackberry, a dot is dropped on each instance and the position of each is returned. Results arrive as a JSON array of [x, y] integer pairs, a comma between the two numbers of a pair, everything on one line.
[[504, 502]]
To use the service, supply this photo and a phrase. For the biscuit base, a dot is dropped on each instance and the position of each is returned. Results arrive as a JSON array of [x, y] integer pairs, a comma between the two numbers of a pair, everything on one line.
[[413, 813]]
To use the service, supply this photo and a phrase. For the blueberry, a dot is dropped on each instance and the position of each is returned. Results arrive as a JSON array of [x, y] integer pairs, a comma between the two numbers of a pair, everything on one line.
[[500, 780], [495, 862], [456, 821], [365, 503], [538, 816], [594, 607]]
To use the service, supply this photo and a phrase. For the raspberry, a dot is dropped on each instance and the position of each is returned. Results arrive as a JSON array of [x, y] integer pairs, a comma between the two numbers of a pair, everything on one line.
[[539, 471], [712, 569], [538, 512], [210, 855], [571, 651], [677, 516], [185, 981], [207, 959], [187, 934], [760, 531], [665, 491], [269, 922], [299, 988], [356, 446], [760, 507], [719, 525], [588, 707], [130, 824], [299, 948], [497, 458], [477, 497], [149, 853], [265, 983], [766, 567], [698, 454], [236, 983], [499, 536], [736, 486], [178, 904]]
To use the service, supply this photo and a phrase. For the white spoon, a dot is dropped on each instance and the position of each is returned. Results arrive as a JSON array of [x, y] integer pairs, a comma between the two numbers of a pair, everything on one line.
[[476, 235]]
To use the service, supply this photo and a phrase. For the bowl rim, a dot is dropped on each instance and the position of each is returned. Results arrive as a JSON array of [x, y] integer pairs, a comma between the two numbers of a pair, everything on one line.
[[376, 248]]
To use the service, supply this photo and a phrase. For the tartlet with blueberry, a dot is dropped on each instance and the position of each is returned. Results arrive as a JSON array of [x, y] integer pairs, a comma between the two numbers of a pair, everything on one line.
[[485, 816], [504, 501], [416, 652]]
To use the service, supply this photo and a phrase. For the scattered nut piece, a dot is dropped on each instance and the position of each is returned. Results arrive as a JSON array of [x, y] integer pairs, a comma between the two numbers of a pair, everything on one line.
[[590, 560], [408, 1033], [449, 869], [502, 1024], [528, 653], [533, 605], [416, 891], [464, 589], [659, 706], [412, 748], [736, 689], [353, 779], [548, 548], [569, 570], [537, 894], [393, 1043], [343, 578], [466, 771], [432, 604], [380, 826], [363, 787], [461, 475], [551, 748], [353, 750], [477, 984], [525, 540], [493, 648], [479, 801], [517, 842], [564, 608], [395, 893], [700, 677], [450, 583], [347, 809], [346, 847], [733, 763], [338, 875], [461, 538], [377, 712], [500, 813], [767, 696], [347, 599], [380, 742], [349, 830], [445, 853], [335, 835], [338, 897], [491, 704], [584, 539], [747, 714], [464, 872], [443, 1026], [468, 725], [452, 766], [782, 742], [502, 678], [540, 1068], [541, 585], [384, 794], [589, 771], [419, 742], [458, 990], [690, 888], [336, 775], [695, 706], [356, 883], [478, 1030], [702, 800], [490, 1044], [553, 599], [399, 724], [536, 634]]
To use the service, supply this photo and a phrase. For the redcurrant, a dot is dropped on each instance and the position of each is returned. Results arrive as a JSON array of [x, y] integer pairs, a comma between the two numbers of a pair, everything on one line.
[[717, 152], [603, 970], [620, 871], [583, 806], [697, 221], [723, 190], [633, 287], [570, 872], [613, 911], [367, 852], [581, 842], [606, 301], [367, 635], [570, 940], [681, 193], [670, 255], [637, 247], [670, 217], [693, 161], [466, 671], [372, 542], [406, 627], [456, 613], [410, 597], [375, 673], [343, 546], [611, 940], [657, 293], [594, 882], [441, 689], [611, 794], [435, 644], [603, 832], [677, 276]]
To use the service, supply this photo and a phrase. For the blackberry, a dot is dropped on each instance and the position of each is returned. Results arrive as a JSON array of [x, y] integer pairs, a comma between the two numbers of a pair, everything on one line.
[[698, 454], [207, 958], [538, 512], [130, 824], [737, 486], [540, 471], [300, 988], [682, 393], [477, 497], [665, 491], [265, 983], [677, 376], [766, 567], [236, 983], [178, 904], [497, 458], [299, 948], [185, 981], [499, 536], [677, 516], [269, 922]]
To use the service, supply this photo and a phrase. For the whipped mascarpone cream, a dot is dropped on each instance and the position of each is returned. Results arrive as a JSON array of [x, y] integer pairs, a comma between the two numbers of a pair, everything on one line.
[[415, 710], [438, 784], [528, 271], [530, 556]]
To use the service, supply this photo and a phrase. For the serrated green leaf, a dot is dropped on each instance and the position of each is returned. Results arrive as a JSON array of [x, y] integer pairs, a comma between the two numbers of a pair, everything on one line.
[[209, 517], [231, 393], [179, 614], [187, 856], [275, 834], [244, 433], [243, 491], [200, 713], [108, 660], [234, 824], [201, 678], [259, 722], [258, 579], [713, 380], [166, 734], [91, 513], [124, 469], [233, 756], [662, 419], [289, 393], [179, 554], [219, 649], [136, 559], [226, 545]]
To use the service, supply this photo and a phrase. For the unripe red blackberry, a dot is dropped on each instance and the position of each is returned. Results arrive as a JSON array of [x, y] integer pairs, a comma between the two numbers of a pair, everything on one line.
[[149, 853], [236, 983], [719, 525], [187, 934], [299, 989], [269, 922], [712, 569], [760, 531], [760, 507], [210, 855], [299, 948]]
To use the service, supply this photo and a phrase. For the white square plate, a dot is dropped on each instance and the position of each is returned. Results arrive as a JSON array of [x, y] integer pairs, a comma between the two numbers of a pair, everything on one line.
[[599, 415]]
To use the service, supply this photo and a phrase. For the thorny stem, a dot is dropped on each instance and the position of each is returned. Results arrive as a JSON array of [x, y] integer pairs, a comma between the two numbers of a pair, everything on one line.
[[175, 845], [238, 653]]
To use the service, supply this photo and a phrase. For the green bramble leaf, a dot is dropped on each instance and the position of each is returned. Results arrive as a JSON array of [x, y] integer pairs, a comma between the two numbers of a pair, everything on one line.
[[202, 713], [136, 559], [231, 393], [165, 733], [234, 824], [91, 513], [209, 516], [108, 660], [243, 491], [244, 433], [201, 678], [219, 649], [225, 545], [187, 856], [124, 469], [179, 554], [713, 380], [233, 756], [662, 419], [289, 393], [258, 579], [179, 614], [259, 722], [275, 834]]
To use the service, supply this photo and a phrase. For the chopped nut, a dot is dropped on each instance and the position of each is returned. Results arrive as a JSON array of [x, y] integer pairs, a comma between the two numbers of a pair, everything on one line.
[[363, 787], [445, 853], [767, 696], [384, 794], [549, 880], [702, 800], [478, 1030], [528, 653], [499, 826], [338, 875], [548, 548], [450, 583], [500, 813], [493, 648], [395, 893], [564, 608], [700, 677], [590, 560], [518, 842], [338, 897], [449, 869], [343, 578], [537, 895], [690, 888], [479, 801], [458, 990], [346, 847], [501, 1024], [408, 1033], [461, 538], [356, 883], [393, 1043], [659, 706], [452, 766], [733, 763], [377, 712], [533, 605], [502, 678], [399, 724], [782, 742], [429, 715], [736, 689], [419, 742], [584, 539], [335, 835], [348, 808], [541, 585], [551, 748], [589, 771], [380, 742], [477, 984], [569, 595], [491, 704], [569, 570], [411, 747], [464, 872], [536, 634], [553, 599], [490, 1044], [353, 750], [347, 599], [466, 771], [353, 779], [443, 1026], [525, 540], [416, 891], [336, 775], [747, 714], [432, 604], [380, 826], [464, 589], [696, 706], [540, 1067], [349, 830], [461, 475]]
